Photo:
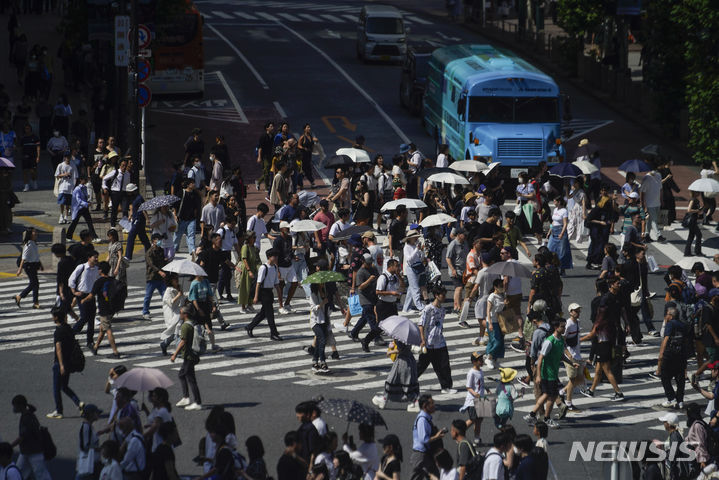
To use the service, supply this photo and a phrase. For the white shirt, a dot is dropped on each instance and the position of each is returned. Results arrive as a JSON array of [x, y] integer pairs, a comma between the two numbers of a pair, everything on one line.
[[412, 254], [706, 173], [134, 459], [83, 278], [229, 239], [119, 181], [387, 283], [163, 227], [197, 174], [66, 184], [320, 425], [336, 228], [365, 456], [111, 471], [377, 255], [571, 331], [164, 417], [257, 225], [268, 276], [652, 189], [451, 474], [493, 465], [414, 161], [397, 172], [497, 305], [441, 161], [30, 252], [11, 472], [432, 321], [475, 381], [317, 311], [558, 215]]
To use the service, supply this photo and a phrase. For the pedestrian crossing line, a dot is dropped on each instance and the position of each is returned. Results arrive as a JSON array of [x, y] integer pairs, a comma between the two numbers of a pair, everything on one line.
[[245, 16], [415, 19], [308, 17], [709, 252], [266, 16], [220, 14], [287, 16], [332, 18], [351, 18]]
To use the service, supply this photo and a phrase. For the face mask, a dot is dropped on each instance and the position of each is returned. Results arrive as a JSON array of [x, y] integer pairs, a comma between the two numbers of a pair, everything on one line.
[[57, 134]]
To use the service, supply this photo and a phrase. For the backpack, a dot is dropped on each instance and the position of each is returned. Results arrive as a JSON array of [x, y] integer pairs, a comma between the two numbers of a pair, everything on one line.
[[505, 407], [689, 294], [76, 359], [700, 309], [712, 441], [473, 469], [199, 342], [115, 293], [49, 450], [675, 348]]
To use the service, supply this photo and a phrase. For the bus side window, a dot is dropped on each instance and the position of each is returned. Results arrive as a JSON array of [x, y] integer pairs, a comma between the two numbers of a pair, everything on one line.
[[461, 106], [454, 92]]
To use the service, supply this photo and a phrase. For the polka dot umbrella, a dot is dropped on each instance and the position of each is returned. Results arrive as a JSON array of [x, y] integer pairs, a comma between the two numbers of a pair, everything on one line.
[[351, 411]]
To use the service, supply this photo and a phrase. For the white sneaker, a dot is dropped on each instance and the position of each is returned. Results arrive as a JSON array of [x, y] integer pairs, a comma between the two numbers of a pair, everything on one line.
[[194, 406], [54, 414], [243, 310], [413, 407], [667, 404], [97, 240], [183, 402], [449, 390], [380, 401], [26, 188], [61, 220], [283, 311], [489, 364]]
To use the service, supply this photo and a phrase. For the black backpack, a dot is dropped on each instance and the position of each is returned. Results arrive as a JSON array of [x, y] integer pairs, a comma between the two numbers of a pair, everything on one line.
[[473, 469], [49, 450], [116, 292], [712, 441], [76, 359], [676, 346]]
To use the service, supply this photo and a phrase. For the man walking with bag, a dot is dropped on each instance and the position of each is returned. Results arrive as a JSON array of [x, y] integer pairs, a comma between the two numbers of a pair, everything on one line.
[[267, 278], [81, 281], [190, 358]]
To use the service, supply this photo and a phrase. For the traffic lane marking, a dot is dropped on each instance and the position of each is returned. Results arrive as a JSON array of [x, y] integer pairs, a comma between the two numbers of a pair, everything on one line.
[[241, 56]]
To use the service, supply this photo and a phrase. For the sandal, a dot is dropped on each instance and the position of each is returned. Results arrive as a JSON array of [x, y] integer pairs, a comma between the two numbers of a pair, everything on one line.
[[17, 300]]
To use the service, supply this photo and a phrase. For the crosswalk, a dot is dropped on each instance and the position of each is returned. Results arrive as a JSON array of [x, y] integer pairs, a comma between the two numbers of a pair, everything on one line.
[[29, 332], [288, 12]]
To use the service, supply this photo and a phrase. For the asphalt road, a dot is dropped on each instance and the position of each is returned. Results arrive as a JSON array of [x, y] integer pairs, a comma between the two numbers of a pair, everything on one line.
[[301, 67]]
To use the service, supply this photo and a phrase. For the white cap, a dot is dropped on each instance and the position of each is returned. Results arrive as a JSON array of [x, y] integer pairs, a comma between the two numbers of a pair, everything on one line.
[[131, 187], [670, 417], [633, 195], [573, 306], [284, 224]]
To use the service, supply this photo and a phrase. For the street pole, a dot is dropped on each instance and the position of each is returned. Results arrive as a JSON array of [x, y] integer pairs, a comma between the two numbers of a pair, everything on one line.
[[134, 127]]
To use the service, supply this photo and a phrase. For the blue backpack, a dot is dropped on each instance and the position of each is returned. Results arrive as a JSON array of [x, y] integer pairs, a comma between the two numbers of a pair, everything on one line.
[[505, 406]]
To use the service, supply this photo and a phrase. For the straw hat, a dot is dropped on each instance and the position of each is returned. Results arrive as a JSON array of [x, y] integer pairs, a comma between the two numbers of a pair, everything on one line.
[[411, 234], [507, 374], [584, 141]]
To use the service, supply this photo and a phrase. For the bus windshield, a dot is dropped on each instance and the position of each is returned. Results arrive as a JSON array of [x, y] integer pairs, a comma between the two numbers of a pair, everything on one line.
[[179, 31], [384, 26], [513, 110]]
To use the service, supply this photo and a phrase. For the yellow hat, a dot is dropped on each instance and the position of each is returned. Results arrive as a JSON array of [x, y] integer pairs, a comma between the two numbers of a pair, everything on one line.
[[507, 374], [469, 196], [584, 141]]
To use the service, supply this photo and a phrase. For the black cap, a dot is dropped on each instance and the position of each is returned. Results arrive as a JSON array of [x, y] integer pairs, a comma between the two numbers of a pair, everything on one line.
[[390, 439], [272, 253]]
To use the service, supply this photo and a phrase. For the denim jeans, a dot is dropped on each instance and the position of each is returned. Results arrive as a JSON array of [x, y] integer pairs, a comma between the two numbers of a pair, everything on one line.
[[368, 316], [136, 231], [61, 383], [185, 227], [87, 316], [414, 294], [33, 282], [320, 331], [300, 267], [150, 287]]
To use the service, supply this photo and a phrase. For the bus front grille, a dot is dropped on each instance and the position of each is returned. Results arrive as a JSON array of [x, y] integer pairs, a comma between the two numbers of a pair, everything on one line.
[[520, 147]]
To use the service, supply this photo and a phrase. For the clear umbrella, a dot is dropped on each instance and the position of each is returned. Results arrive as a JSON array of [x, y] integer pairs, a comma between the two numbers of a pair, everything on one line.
[[437, 219], [407, 202]]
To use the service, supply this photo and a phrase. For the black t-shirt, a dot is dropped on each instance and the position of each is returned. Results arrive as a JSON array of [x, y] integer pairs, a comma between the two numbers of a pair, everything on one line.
[[211, 259], [30, 433], [397, 230], [266, 145], [289, 468], [487, 230], [189, 208], [162, 454], [310, 439], [368, 296], [29, 147], [225, 464], [101, 290], [65, 267], [63, 334], [284, 247], [711, 318], [389, 468]]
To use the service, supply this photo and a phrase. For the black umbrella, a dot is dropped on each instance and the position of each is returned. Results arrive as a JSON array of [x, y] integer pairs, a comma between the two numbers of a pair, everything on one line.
[[339, 161], [653, 150], [586, 150], [426, 172], [351, 411], [352, 230]]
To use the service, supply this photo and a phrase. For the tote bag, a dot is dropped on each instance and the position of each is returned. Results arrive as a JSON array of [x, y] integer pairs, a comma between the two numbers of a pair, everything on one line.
[[354, 305]]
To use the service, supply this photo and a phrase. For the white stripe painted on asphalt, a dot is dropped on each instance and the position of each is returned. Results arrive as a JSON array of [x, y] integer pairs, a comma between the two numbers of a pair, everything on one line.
[[266, 16], [351, 18], [219, 14], [233, 99], [279, 109], [332, 18], [311, 18], [244, 15], [416, 19], [352, 82], [287, 16], [242, 57]]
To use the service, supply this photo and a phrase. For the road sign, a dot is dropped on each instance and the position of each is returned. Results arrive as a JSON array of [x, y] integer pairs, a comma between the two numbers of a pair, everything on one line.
[[122, 45], [144, 36], [145, 53], [143, 70], [144, 95]]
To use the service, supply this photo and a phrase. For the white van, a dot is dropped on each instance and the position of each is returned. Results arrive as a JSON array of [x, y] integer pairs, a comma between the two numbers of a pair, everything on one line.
[[381, 34]]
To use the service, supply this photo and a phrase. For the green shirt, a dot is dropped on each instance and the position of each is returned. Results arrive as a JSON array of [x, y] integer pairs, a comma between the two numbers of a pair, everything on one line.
[[512, 236], [552, 357], [187, 333]]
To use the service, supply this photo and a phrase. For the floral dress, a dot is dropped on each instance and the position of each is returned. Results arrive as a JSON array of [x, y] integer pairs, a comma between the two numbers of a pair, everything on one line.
[[113, 259]]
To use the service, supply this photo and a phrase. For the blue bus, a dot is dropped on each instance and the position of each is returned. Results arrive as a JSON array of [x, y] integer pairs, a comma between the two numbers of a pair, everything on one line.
[[488, 104]]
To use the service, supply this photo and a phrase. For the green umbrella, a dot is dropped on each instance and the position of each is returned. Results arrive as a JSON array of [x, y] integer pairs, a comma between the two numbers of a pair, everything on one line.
[[324, 277], [528, 211]]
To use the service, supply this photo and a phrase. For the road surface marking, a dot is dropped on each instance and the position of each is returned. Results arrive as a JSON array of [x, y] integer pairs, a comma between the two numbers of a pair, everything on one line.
[[351, 18], [584, 132], [311, 18], [413, 18], [332, 18], [222, 15], [287, 16], [267, 16], [279, 109], [233, 99], [246, 16], [242, 57], [352, 82]]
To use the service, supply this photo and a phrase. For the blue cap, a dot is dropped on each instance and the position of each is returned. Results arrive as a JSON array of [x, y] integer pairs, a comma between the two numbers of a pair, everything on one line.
[[404, 148], [714, 292], [413, 226], [355, 240]]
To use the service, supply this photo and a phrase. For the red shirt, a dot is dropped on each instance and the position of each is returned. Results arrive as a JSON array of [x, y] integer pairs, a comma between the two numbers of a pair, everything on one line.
[[328, 219], [399, 193]]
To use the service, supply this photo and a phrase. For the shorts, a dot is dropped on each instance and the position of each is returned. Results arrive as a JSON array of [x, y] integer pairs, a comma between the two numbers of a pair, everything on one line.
[[603, 352], [106, 322], [712, 353], [287, 274], [472, 412], [515, 303], [64, 199], [457, 281], [550, 387], [29, 164], [573, 372]]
